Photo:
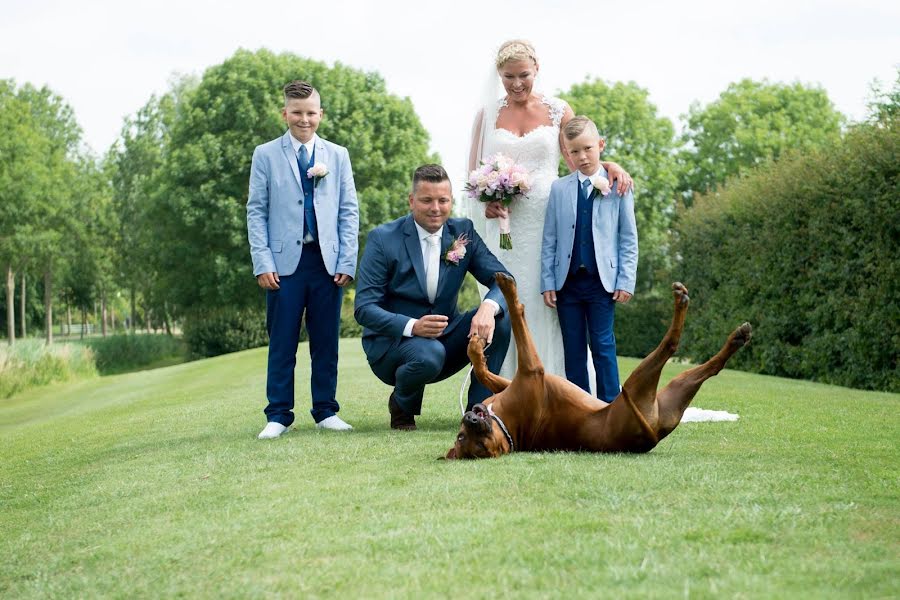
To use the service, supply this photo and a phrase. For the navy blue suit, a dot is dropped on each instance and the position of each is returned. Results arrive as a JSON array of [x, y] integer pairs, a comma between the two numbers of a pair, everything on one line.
[[391, 289]]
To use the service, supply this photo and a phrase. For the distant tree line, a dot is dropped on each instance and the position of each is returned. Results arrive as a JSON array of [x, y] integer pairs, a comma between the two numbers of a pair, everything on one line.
[[158, 223]]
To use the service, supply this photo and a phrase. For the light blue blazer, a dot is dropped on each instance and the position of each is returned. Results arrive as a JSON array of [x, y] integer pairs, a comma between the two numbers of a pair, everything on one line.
[[615, 236], [275, 209]]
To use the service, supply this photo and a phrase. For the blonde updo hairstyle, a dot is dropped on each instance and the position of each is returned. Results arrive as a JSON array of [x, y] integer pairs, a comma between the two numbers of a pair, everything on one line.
[[515, 50]]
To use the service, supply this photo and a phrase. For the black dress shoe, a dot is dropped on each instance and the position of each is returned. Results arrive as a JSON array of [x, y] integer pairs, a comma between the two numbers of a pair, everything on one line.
[[399, 419]]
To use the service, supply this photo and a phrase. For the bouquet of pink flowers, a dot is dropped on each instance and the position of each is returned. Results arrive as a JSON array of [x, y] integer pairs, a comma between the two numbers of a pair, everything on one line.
[[499, 179]]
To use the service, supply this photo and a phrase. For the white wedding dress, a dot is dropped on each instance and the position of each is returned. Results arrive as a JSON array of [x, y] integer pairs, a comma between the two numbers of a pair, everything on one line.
[[537, 151]]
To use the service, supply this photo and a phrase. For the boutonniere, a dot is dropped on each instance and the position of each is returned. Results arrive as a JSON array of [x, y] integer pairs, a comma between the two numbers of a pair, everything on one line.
[[317, 172], [457, 250], [601, 184]]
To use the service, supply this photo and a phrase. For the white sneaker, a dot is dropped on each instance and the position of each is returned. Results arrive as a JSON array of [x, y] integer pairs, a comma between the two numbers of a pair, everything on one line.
[[334, 423], [271, 431]]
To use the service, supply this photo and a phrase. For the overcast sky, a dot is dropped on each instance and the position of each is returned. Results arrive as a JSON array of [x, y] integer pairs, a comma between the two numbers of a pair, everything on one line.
[[107, 57]]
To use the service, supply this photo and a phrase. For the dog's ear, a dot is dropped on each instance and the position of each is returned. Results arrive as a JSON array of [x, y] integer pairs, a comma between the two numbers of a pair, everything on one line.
[[451, 454]]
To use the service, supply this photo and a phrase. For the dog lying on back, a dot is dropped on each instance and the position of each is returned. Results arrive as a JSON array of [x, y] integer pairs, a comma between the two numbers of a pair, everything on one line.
[[538, 411]]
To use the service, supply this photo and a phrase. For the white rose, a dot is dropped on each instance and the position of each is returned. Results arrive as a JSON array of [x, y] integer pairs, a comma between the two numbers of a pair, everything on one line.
[[601, 183], [317, 170]]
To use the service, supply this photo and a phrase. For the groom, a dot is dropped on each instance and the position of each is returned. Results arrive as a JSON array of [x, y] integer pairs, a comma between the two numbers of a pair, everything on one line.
[[406, 295]]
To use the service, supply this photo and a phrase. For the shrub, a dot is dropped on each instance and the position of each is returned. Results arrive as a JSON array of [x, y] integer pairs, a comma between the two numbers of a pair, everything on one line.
[[806, 250], [31, 363], [224, 330], [120, 353], [641, 324]]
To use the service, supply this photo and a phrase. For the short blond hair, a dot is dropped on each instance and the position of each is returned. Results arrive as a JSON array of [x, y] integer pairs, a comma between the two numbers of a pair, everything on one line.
[[578, 125], [515, 50]]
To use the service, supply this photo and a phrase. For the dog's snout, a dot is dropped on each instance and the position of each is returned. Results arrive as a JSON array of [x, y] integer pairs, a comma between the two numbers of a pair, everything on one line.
[[470, 418]]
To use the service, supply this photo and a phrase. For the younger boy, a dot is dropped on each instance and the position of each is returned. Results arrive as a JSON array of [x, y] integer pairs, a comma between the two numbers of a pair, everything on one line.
[[588, 258], [302, 221]]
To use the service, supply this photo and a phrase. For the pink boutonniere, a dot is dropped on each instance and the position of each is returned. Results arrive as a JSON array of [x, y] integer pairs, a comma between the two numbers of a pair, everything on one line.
[[457, 250]]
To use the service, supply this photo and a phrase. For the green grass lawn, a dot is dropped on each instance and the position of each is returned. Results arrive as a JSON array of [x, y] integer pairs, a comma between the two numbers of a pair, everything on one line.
[[153, 484]]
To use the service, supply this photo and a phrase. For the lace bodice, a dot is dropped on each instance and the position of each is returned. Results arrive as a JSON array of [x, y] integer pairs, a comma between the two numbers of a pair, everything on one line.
[[537, 150]]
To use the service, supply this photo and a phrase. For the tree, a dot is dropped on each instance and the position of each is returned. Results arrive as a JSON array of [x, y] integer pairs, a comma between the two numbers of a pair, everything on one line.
[[198, 209], [43, 232], [40, 134], [884, 104], [133, 166], [751, 123], [644, 143]]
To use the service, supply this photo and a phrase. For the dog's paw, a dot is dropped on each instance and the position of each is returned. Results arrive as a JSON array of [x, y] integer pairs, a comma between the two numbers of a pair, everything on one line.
[[742, 335], [680, 293], [475, 349]]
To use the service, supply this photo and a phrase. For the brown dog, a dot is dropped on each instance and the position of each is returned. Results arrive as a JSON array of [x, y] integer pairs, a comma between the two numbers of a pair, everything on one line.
[[537, 411]]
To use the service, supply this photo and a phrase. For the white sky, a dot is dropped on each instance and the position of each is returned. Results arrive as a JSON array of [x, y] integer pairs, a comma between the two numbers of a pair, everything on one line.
[[107, 57]]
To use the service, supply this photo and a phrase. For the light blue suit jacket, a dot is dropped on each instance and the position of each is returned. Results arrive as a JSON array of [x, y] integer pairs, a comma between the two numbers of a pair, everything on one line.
[[614, 233], [275, 209]]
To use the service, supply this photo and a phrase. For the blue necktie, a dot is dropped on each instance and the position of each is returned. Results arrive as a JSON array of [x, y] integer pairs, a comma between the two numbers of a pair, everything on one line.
[[586, 188], [303, 160]]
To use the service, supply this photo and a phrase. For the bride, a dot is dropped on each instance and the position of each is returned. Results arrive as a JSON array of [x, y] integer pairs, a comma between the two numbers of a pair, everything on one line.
[[525, 126]]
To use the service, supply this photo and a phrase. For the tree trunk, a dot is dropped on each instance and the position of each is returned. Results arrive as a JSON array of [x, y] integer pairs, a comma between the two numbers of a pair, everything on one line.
[[83, 319], [166, 318], [48, 303], [103, 313], [68, 318], [133, 310], [22, 308], [10, 305]]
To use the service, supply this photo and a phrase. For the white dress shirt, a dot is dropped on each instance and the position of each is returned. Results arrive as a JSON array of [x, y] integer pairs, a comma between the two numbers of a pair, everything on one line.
[[310, 146], [423, 244]]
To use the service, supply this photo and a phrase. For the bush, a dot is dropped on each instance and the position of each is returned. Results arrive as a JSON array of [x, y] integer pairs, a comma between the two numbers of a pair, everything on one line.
[[224, 330], [806, 250], [349, 327], [120, 353], [641, 324], [31, 363]]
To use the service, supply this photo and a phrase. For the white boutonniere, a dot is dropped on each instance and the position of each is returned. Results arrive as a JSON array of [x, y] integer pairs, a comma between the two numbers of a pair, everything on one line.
[[317, 172], [601, 184]]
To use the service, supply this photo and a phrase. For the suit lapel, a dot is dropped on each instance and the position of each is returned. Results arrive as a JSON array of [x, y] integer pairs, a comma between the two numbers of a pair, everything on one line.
[[288, 149], [572, 193], [414, 249], [322, 154]]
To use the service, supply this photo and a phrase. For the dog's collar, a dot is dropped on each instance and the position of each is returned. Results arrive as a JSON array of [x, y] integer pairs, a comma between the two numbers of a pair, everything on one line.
[[503, 428]]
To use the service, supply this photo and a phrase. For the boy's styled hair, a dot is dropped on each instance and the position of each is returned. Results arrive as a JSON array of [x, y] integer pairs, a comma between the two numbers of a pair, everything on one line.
[[298, 89], [577, 125]]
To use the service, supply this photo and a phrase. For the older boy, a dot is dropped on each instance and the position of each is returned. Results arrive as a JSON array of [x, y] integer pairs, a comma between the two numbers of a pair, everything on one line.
[[588, 258], [302, 221]]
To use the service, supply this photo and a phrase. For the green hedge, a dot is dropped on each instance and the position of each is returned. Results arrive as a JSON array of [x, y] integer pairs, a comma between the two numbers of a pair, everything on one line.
[[641, 324], [128, 352], [231, 330], [224, 330], [806, 250]]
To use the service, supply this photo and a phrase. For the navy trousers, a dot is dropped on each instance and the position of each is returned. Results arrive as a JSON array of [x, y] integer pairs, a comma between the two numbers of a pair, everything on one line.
[[312, 290], [417, 361], [586, 312]]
